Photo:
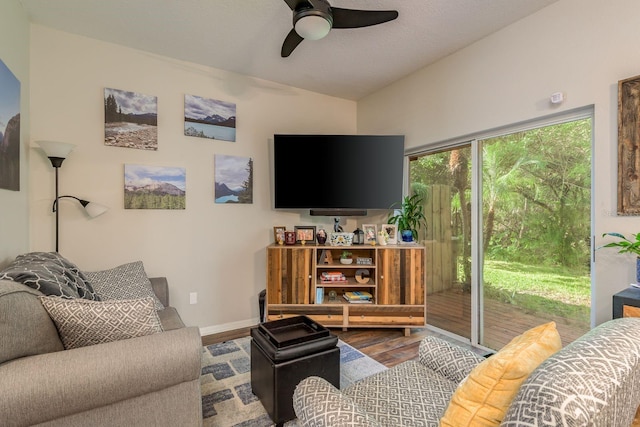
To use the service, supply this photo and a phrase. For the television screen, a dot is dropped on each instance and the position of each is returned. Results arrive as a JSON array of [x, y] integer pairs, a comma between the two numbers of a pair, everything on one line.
[[337, 172]]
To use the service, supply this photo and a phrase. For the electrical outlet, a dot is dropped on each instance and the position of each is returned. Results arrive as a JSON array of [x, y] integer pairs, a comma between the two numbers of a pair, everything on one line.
[[193, 298]]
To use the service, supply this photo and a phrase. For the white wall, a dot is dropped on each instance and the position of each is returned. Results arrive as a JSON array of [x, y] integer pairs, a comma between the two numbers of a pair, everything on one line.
[[580, 47], [14, 208], [213, 249]]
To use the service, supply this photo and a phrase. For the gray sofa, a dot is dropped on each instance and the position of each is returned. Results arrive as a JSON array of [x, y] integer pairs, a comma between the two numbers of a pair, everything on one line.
[[151, 380], [594, 381]]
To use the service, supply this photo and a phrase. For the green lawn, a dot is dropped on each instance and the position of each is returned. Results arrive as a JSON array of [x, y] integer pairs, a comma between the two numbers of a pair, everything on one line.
[[563, 292]]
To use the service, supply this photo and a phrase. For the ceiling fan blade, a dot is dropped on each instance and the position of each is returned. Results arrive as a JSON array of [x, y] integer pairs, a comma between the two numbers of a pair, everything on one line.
[[290, 42], [292, 4], [352, 18]]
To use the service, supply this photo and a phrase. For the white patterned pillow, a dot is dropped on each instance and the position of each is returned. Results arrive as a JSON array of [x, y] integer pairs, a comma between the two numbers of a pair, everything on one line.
[[127, 281], [82, 322]]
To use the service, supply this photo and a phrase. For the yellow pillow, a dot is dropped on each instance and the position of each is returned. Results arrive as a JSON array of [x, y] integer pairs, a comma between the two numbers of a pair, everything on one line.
[[483, 398]]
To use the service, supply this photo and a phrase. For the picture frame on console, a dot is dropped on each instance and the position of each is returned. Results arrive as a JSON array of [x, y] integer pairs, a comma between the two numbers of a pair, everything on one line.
[[305, 234], [370, 233], [278, 233], [392, 232]]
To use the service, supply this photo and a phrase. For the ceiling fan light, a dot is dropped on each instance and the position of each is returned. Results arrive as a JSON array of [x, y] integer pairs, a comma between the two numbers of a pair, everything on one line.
[[312, 27]]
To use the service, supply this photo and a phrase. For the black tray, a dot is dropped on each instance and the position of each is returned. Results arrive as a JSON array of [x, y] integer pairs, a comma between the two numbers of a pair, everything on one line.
[[293, 330]]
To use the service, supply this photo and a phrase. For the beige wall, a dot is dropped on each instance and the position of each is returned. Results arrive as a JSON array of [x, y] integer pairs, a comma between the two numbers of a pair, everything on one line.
[[14, 207], [213, 249], [579, 47]]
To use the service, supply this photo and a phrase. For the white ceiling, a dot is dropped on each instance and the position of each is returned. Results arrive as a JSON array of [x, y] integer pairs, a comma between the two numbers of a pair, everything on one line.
[[245, 36]]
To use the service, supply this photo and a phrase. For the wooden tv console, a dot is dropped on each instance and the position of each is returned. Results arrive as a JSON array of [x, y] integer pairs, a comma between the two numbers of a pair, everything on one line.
[[395, 277]]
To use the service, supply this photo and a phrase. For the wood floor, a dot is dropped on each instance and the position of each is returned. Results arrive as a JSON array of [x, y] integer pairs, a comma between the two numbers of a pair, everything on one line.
[[446, 310], [387, 346]]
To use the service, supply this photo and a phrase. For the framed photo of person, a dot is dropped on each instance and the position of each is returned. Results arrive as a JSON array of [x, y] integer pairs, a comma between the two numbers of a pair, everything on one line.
[[392, 232], [278, 233], [305, 234], [370, 233]]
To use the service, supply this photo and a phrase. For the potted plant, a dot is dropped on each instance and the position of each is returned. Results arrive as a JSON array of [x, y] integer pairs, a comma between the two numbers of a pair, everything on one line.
[[410, 219], [626, 246], [346, 257]]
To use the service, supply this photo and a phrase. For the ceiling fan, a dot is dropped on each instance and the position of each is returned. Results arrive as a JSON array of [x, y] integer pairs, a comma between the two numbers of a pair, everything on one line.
[[313, 19]]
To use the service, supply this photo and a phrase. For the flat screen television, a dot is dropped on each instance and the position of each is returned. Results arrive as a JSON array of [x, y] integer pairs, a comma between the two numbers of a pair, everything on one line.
[[337, 174]]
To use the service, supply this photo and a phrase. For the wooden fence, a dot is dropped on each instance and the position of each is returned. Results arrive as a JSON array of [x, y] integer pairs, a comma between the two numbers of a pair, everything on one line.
[[441, 246]]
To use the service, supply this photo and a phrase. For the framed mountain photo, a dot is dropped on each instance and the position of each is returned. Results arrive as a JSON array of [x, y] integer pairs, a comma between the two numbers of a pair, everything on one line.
[[209, 118], [233, 179], [154, 187], [9, 129]]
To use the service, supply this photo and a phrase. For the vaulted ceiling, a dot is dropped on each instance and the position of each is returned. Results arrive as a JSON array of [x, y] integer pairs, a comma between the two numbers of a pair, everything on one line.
[[245, 36]]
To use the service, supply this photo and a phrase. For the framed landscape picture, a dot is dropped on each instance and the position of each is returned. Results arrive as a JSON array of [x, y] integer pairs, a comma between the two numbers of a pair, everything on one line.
[[209, 118], [9, 129], [233, 179], [130, 120], [154, 187], [629, 146]]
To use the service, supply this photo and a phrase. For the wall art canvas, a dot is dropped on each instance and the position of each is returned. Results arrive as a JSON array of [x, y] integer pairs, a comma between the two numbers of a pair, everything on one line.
[[130, 120], [233, 179], [9, 129], [209, 118], [154, 187], [629, 146]]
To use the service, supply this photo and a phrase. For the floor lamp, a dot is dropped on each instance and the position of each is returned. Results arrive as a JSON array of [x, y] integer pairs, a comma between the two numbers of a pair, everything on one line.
[[57, 152]]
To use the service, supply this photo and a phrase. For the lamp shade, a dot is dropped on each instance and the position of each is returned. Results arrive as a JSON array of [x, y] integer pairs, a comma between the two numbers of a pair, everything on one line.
[[56, 149], [95, 209], [312, 27]]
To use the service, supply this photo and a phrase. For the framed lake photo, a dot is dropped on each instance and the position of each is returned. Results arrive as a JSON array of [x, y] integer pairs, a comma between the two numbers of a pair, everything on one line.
[[209, 118], [233, 179], [130, 120], [154, 187]]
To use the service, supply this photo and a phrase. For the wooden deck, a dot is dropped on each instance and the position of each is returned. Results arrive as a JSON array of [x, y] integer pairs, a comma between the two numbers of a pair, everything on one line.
[[451, 311], [448, 310]]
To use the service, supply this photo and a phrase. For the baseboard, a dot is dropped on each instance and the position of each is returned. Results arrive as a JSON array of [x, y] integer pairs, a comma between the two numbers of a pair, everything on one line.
[[226, 327]]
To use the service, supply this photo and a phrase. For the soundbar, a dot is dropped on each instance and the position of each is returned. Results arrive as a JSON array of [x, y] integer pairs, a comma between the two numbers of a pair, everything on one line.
[[338, 212]]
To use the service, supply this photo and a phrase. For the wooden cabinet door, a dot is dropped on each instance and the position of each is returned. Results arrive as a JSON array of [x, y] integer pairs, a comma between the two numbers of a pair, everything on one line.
[[401, 276], [289, 272]]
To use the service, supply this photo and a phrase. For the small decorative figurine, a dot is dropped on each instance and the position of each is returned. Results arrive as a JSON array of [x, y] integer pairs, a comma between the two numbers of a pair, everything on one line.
[[336, 225], [321, 236]]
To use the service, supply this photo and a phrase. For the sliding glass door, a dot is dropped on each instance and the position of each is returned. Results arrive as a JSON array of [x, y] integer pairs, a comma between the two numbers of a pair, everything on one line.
[[508, 231], [444, 180]]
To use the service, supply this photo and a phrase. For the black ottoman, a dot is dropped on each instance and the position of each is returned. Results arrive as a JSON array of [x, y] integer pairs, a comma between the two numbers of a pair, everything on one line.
[[283, 353]]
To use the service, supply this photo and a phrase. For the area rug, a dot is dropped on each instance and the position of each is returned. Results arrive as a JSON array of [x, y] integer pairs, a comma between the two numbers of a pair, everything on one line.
[[227, 400]]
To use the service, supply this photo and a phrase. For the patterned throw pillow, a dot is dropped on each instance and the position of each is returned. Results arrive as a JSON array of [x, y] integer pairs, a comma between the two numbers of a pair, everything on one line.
[[126, 281], [485, 395], [82, 323], [51, 274]]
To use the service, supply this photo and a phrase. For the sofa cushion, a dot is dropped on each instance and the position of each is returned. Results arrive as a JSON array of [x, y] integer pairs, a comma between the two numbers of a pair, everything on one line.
[[51, 274], [485, 395], [126, 281], [593, 381], [405, 395], [82, 323], [25, 326]]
